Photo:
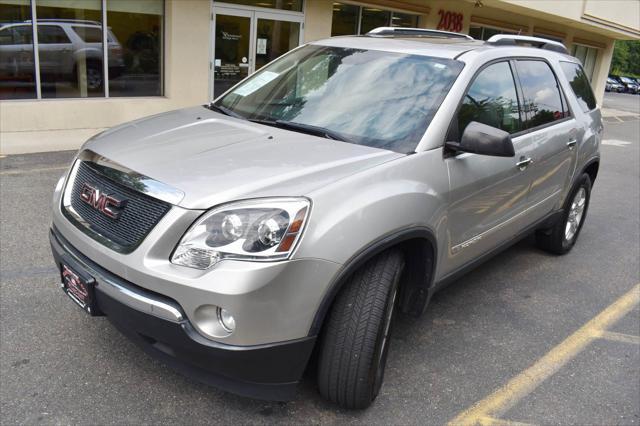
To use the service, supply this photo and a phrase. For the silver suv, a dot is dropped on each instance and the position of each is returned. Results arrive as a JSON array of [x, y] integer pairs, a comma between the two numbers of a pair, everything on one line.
[[68, 49], [346, 181]]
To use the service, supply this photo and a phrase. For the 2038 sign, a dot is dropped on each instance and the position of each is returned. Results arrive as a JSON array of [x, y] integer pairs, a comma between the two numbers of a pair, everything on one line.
[[450, 21]]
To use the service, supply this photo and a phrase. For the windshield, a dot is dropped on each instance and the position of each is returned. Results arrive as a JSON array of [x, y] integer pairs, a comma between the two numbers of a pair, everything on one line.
[[626, 80], [374, 98]]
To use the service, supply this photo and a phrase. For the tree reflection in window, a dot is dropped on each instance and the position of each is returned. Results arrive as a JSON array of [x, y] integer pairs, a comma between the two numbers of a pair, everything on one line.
[[542, 101], [492, 100]]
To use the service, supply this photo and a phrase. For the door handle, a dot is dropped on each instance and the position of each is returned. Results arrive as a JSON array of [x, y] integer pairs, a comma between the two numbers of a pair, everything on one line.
[[523, 163], [572, 143]]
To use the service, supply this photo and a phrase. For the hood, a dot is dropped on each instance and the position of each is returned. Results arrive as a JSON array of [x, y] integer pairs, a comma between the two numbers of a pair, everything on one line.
[[214, 158]]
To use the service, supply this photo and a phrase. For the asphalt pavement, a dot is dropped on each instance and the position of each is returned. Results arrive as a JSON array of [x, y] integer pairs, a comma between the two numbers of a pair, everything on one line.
[[501, 339]]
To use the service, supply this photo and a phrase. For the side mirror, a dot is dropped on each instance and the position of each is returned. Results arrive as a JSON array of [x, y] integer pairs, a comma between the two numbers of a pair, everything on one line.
[[481, 139]]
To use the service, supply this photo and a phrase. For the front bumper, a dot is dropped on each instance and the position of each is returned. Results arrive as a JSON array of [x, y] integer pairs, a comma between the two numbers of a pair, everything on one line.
[[158, 325]]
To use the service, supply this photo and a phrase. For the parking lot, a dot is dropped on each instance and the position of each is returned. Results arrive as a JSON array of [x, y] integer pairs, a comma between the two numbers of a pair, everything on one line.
[[527, 338]]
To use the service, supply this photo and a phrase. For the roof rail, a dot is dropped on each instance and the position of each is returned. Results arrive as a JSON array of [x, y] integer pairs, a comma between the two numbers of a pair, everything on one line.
[[542, 43], [415, 32], [66, 21]]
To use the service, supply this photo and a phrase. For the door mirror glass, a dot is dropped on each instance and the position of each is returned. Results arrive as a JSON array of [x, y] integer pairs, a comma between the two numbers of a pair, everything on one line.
[[481, 139]]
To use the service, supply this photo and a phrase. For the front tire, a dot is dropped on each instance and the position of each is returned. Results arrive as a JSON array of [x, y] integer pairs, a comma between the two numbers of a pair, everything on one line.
[[563, 235], [355, 342]]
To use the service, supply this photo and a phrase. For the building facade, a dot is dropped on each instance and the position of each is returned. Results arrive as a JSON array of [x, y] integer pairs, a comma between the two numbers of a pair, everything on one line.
[[70, 68]]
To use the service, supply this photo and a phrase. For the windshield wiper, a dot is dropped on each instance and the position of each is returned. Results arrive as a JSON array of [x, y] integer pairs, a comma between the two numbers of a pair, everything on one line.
[[304, 128], [224, 110]]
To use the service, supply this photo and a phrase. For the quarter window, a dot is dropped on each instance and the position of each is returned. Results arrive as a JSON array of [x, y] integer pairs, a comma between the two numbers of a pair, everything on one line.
[[542, 100], [89, 34], [580, 85], [491, 100]]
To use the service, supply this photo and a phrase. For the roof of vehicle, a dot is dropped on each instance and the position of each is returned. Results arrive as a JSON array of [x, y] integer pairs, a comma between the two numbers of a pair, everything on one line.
[[434, 46]]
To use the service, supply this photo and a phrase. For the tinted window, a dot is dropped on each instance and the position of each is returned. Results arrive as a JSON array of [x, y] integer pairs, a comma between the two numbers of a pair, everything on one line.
[[370, 97], [580, 85], [491, 100], [51, 34], [89, 34], [22, 35], [542, 101]]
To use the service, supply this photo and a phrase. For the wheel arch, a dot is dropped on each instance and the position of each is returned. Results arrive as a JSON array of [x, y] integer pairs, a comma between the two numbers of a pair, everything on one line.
[[419, 247], [591, 168]]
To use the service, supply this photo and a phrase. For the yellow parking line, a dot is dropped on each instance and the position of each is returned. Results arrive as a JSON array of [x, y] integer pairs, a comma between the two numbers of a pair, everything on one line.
[[43, 169], [491, 421], [618, 337], [524, 383]]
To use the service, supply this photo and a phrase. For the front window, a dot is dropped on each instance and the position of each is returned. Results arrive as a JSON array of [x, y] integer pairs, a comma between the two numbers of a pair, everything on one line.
[[491, 100], [374, 98]]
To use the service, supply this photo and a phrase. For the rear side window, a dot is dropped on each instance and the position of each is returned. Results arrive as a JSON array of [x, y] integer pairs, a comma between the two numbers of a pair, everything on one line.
[[51, 34], [491, 100], [580, 85], [542, 99], [89, 34]]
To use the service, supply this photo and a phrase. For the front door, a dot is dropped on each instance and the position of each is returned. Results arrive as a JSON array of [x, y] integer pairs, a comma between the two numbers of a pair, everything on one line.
[[245, 39], [488, 194]]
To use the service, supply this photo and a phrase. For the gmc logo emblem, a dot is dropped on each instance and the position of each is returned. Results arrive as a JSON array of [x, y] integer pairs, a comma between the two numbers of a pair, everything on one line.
[[105, 204]]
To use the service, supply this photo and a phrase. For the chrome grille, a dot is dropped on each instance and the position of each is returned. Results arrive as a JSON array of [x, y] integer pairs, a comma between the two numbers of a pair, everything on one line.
[[138, 217]]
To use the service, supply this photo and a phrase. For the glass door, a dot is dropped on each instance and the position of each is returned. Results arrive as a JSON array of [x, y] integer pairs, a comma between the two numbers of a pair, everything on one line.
[[275, 36], [232, 52], [245, 39]]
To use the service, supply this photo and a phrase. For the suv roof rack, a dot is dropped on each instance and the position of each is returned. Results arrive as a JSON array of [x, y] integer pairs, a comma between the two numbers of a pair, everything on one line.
[[539, 42], [67, 21], [415, 32]]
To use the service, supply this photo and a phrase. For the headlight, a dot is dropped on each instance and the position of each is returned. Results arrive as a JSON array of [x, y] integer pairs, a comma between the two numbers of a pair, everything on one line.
[[262, 230]]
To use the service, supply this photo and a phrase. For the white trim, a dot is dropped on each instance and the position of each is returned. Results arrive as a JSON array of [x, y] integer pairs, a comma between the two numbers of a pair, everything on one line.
[[221, 4], [105, 50], [36, 53]]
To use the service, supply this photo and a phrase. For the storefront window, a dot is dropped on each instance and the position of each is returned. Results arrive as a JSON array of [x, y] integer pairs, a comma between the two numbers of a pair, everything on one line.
[[135, 47], [70, 67], [70, 48], [404, 20], [17, 73], [485, 33], [374, 18], [349, 19], [587, 56], [295, 5], [345, 19]]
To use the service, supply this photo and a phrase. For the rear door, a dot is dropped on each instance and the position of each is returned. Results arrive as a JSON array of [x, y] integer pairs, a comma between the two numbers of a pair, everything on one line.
[[551, 131], [488, 194]]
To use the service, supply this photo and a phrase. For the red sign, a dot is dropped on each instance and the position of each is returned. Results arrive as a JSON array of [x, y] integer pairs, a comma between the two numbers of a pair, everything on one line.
[[450, 21]]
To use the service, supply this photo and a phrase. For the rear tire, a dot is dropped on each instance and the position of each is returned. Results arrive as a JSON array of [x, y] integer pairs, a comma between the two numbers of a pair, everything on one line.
[[355, 342], [563, 235]]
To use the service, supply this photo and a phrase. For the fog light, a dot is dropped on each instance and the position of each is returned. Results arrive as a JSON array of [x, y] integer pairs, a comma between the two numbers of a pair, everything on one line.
[[226, 320]]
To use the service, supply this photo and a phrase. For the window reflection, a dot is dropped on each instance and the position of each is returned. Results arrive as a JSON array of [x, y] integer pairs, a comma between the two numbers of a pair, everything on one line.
[[135, 52], [17, 73], [542, 101], [70, 48], [580, 85], [491, 100], [69, 65], [332, 88]]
